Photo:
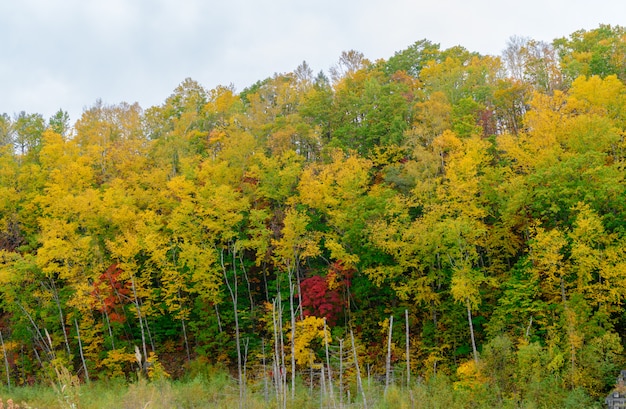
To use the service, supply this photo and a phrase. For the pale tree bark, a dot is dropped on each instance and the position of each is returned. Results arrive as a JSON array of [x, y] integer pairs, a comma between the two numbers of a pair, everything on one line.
[[232, 289], [358, 371], [139, 317], [471, 326], [388, 362], [408, 355], [6, 361], [80, 349]]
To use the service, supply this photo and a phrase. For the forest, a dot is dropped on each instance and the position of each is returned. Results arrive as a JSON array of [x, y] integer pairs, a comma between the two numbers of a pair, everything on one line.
[[437, 221]]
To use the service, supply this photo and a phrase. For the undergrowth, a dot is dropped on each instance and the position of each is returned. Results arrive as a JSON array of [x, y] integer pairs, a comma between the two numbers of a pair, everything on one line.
[[217, 389]]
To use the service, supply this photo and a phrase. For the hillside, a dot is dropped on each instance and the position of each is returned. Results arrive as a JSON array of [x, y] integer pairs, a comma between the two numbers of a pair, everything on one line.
[[480, 199]]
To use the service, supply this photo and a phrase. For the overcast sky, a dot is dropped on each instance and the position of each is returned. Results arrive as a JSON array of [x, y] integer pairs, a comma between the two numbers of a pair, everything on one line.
[[66, 54]]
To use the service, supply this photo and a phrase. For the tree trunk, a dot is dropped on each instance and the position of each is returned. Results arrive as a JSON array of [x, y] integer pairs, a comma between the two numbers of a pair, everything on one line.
[[341, 373], [80, 349], [265, 388], [139, 317], [182, 320], [61, 317], [359, 382], [408, 356], [330, 375], [388, 362], [277, 358], [471, 326], [293, 336], [6, 361], [233, 296], [108, 323]]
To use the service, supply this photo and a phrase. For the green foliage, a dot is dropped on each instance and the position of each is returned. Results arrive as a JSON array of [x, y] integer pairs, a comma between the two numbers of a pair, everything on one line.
[[484, 196]]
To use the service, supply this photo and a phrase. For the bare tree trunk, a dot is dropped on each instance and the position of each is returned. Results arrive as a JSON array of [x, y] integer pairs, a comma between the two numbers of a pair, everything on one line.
[[322, 387], [80, 349], [182, 321], [6, 361], [245, 276], [283, 366], [341, 373], [145, 321], [277, 366], [408, 356], [293, 336], [530, 324], [388, 362], [359, 382], [139, 317], [38, 357], [108, 322], [219, 321], [297, 268], [233, 296], [62, 318], [39, 338], [311, 359], [330, 374], [246, 344], [471, 325], [265, 388]]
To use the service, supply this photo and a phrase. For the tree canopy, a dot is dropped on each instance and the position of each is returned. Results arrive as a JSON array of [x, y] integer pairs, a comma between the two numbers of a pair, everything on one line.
[[485, 195]]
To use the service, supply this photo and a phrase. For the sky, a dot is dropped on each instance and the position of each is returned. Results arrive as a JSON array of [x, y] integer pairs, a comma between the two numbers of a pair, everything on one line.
[[67, 54]]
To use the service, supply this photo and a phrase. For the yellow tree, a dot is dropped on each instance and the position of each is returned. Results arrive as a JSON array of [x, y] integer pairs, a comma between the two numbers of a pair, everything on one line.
[[294, 246], [463, 214], [444, 243], [108, 135], [334, 190], [69, 253], [11, 194]]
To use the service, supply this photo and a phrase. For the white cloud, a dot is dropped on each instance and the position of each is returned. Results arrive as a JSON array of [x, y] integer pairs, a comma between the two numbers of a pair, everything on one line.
[[69, 53]]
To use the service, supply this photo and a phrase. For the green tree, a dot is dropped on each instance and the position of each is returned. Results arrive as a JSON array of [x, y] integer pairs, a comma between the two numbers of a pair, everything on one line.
[[28, 129], [60, 123], [594, 52]]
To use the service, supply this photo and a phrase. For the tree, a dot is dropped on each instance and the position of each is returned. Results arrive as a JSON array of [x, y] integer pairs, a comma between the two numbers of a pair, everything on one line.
[[349, 63], [369, 110], [595, 52], [413, 59], [291, 249], [28, 129], [60, 123], [112, 137], [6, 130], [534, 63]]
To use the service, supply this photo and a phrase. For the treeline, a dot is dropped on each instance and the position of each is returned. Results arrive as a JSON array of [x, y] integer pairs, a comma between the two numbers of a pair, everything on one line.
[[483, 195]]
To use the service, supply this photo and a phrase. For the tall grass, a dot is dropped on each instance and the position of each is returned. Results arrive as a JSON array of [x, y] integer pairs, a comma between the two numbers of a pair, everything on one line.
[[213, 388]]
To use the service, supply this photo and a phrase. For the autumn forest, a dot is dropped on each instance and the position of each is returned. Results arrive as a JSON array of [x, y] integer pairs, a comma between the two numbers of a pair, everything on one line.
[[439, 216]]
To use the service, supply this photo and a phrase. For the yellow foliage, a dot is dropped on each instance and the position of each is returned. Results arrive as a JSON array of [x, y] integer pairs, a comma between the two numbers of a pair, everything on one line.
[[338, 252], [470, 375], [465, 285], [155, 368], [331, 281], [309, 330], [594, 94], [548, 262], [117, 363], [296, 242]]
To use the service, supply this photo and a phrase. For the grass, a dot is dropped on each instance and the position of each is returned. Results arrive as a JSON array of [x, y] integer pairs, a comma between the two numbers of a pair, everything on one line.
[[216, 389]]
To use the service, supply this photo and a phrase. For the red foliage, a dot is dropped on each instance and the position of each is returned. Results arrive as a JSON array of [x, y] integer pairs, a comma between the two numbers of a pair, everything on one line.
[[319, 301], [321, 297], [110, 292]]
